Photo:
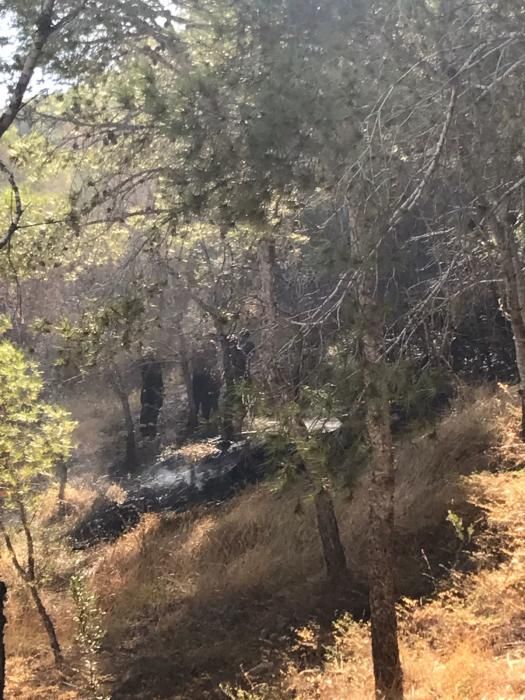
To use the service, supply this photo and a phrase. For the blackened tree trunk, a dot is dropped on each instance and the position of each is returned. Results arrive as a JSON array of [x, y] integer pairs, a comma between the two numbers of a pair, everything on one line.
[[3, 622], [151, 396], [333, 551]]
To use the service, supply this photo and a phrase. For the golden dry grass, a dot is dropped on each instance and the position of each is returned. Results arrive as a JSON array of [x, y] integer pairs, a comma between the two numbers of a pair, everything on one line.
[[467, 644], [195, 600]]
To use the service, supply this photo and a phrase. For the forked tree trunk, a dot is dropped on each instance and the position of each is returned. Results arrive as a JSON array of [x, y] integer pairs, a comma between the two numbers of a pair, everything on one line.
[[28, 576], [3, 622], [333, 551], [382, 595]]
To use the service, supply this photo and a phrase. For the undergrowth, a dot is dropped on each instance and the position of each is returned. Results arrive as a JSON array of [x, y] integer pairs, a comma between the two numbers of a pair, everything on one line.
[[232, 601]]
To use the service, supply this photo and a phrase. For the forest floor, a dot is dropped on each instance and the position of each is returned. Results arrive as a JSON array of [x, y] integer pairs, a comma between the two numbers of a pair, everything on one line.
[[232, 601]]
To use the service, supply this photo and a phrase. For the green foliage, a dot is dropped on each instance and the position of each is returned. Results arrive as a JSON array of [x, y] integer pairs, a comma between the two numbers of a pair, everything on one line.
[[101, 332], [90, 633], [34, 435], [49, 236], [463, 532]]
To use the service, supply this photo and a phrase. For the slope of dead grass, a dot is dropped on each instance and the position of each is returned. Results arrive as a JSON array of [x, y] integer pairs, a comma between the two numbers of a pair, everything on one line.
[[214, 596], [467, 644]]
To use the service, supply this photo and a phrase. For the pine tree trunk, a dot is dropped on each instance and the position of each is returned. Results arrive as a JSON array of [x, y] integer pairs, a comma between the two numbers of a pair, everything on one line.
[[333, 551], [382, 595], [519, 334], [515, 301], [267, 262], [3, 622]]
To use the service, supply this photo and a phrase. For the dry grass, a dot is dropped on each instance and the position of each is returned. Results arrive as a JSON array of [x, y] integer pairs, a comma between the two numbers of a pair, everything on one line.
[[467, 644], [198, 599]]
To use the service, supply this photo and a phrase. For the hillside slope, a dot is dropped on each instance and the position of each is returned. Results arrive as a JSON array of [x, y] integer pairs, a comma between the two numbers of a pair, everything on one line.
[[235, 596], [466, 644]]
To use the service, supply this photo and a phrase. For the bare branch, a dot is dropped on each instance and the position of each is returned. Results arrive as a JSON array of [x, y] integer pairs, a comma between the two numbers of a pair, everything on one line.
[[515, 186], [408, 205], [501, 77], [18, 209], [70, 16]]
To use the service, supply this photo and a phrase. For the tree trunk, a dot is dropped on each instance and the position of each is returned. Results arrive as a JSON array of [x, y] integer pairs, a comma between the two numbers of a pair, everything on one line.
[[28, 576], [192, 420], [3, 622], [267, 261], [230, 399], [62, 483], [515, 298], [48, 624], [185, 365], [382, 595], [388, 674], [44, 29], [333, 551], [131, 456]]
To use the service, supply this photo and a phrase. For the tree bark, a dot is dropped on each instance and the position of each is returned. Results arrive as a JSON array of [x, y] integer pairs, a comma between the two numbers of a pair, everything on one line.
[[230, 399], [28, 576], [44, 29], [267, 262], [62, 483], [3, 622], [388, 673], [185, 365], [131, 456], [515, 296], [381, 566], [48, 625], [333, 551]]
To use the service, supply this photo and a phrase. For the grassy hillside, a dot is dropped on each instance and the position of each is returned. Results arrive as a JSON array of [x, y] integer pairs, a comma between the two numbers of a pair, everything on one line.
[[233, 601]]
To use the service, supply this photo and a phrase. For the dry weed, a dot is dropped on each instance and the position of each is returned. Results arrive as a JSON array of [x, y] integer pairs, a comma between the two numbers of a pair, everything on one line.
[[468, 644], [193, 599]]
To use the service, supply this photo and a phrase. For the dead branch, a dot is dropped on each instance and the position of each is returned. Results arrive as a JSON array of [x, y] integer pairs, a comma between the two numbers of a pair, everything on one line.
[[408, 205], [18, 212]]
